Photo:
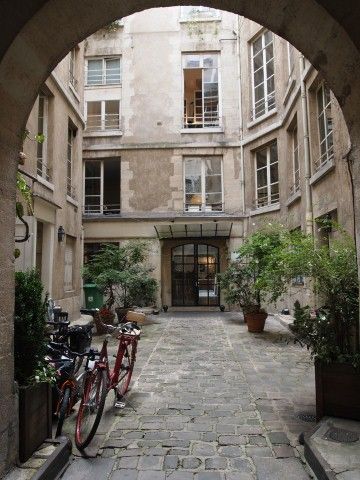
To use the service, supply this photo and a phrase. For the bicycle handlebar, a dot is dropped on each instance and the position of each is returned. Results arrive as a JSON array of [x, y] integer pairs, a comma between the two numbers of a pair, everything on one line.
[[62, 346]]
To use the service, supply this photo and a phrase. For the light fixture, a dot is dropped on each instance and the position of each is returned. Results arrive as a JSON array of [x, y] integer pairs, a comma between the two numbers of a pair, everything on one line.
[[61, 233]]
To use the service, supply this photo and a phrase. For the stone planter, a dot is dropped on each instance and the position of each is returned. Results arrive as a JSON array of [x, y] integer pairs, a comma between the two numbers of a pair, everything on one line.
[[35, 420], [255, 321], [337, 390]]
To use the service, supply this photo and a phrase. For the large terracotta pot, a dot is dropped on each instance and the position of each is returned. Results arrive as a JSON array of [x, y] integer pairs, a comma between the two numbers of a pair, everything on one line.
[[255, 321]]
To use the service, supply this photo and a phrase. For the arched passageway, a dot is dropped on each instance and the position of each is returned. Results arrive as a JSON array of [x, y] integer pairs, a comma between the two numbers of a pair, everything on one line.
[[37, 35]]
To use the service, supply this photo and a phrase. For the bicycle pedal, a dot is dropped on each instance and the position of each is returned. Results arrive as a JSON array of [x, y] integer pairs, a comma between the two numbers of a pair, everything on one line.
[[119, 404]]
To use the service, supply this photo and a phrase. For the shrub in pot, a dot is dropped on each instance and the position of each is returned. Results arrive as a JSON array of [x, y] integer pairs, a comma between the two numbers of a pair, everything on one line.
[[31, 372], [329, 332]]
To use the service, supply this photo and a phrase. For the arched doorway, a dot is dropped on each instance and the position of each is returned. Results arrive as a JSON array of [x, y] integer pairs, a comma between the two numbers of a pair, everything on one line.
[[37, 34], [194, 269]]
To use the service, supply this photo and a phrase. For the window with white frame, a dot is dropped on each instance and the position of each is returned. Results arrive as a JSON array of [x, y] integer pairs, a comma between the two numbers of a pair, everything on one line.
[[201, 90], [42, 129], [190, 12], [262, 53], [102, 186], [103, 115], [203, 184], [72, 68], [103, 71], [267, 176], [295, 157], [69, 163], [325, 126]]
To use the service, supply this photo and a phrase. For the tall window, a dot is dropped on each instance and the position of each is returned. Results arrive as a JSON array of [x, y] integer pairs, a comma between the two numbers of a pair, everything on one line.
[[267, 176], [201, 90], [291, 59], [102, 186], [262, 51], [325, 126], [103, 71], [296, 165], [42, 164], [190, 12], [203, 184], [69, 163], [103, 115], [69, 264], [72, 68]]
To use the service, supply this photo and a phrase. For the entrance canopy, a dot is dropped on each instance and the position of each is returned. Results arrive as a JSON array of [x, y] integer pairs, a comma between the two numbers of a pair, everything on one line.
[[194, 230]]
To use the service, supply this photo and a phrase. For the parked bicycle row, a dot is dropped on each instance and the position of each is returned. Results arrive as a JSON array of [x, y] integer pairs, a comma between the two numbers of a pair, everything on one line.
[[83, 373]]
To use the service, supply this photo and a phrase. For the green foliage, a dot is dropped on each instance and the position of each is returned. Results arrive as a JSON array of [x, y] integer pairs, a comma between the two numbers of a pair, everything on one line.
[[122, 274], [30, 317], [25, 191]]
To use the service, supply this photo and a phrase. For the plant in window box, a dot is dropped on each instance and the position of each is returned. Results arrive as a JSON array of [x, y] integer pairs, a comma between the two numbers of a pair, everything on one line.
[[329, 332], [29, 349]]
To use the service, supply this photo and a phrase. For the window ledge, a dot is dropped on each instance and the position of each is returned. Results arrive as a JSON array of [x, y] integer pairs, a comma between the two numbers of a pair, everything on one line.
[[101, 133], [293, 198], [289, 89], [267, 115], [72, 201], [199, 20], [46, 183], [267, 209], [202, 130], [74, 92], [327, 167]]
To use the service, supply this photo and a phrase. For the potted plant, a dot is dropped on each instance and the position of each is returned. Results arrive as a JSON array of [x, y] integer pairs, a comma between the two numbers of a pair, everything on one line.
[[331, 331], [123, 276], [243, 282], [31, 372]]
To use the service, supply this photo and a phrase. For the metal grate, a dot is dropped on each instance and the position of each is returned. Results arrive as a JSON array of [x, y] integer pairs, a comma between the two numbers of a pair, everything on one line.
[[341, 435], [306, 417]]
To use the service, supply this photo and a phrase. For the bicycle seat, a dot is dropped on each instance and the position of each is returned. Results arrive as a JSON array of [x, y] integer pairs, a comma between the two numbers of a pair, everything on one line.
[[130, 328]]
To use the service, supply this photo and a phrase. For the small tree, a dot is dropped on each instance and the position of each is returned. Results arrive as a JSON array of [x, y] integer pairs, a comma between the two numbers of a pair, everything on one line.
[[30, 318], [122, 274]]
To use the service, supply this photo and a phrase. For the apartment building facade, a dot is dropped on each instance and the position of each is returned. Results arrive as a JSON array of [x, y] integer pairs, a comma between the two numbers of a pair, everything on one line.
[[201, 126], [53, 171]]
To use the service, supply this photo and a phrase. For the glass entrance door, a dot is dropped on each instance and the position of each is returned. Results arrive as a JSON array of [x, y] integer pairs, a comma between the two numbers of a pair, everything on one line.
[[194, 275]]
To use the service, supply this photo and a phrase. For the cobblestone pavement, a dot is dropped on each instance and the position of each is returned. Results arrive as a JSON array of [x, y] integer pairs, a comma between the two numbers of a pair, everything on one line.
[[213, 402]]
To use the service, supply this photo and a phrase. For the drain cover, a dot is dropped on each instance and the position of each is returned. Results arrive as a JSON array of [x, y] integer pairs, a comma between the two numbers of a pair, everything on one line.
[[341, 435], [307, 417]]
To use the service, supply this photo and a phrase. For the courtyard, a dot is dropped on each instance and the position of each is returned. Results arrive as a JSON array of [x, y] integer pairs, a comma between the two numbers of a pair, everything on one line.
[[208, 401]]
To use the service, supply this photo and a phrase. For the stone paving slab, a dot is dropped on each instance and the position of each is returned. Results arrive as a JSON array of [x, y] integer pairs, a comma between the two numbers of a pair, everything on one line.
[[212, 402]]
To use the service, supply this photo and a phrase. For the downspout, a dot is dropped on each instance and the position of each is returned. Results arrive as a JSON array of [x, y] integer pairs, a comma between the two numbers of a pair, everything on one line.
[[309, 216], [241, 126]]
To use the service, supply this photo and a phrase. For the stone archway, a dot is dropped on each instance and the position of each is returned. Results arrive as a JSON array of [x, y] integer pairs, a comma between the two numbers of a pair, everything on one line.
[[36, 35]]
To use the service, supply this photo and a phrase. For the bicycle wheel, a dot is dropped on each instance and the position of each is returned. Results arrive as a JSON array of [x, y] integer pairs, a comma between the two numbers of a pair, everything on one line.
[[64, 408], [91, 408], [127, 367]]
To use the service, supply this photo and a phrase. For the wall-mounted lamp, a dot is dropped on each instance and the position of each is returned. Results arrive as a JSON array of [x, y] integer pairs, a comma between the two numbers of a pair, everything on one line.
[[61, 233]]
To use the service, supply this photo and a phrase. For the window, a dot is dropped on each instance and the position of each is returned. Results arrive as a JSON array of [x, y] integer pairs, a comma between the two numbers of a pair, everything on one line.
[[103, 71], [262, 52], [325, 126], [296, 165], [203, 184], [201, 90], [69, 165], [69, 264], [103, 115], [42, 164], [291, 59], [102, 186], [72, 68], [267, 176], [191, 12]]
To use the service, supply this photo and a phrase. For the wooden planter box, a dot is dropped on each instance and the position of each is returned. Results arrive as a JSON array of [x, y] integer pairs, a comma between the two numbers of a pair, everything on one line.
[[35, 420], [337, 390]]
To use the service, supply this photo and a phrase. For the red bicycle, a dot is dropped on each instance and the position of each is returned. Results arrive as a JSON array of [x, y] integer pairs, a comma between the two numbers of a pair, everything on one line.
[[100, 380]]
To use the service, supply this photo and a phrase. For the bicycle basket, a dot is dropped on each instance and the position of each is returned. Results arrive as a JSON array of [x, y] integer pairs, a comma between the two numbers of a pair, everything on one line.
[[79, 338]]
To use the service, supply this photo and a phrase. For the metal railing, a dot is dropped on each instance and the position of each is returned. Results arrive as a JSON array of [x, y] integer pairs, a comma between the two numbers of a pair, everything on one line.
[[70, 189], [325, 158], [295, 187], [203, 208], [108, 209], [207, 120], [43, 170], [74, 82], [263, 106], [267, 201], [110, 76], [96, 123]]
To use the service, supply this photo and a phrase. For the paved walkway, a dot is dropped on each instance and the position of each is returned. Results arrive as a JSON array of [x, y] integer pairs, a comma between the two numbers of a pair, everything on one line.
[[212, 401]]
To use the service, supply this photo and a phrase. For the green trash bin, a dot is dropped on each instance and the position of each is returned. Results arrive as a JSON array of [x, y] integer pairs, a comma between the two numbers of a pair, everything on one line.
[[93, 297]]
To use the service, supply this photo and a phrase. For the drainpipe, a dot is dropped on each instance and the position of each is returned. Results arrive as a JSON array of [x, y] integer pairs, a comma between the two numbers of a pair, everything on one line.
[[241, 123], [309, 217]]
